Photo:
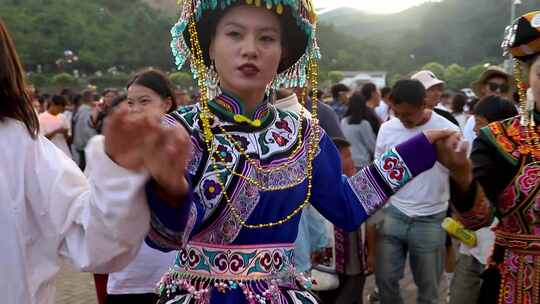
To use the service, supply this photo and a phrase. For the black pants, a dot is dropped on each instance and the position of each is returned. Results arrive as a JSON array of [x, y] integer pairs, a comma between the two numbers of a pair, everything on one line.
[[145, 298]]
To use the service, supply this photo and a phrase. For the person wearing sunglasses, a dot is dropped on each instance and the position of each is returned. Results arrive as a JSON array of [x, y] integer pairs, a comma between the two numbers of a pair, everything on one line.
[[493, 82]]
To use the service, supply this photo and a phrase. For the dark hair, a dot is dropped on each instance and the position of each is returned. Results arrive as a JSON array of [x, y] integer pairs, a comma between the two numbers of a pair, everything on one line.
[[66, 92], [293, 38], [472, 104], [356, 112], [533, 59], [408, 91], [58, 100], [458, 103], [86, 96], [495, 108], [15, 100], [368, 89], [44, 97], [109, 90], [76, 99], [156, 81], [117, 101], [341, 143], [386, 91], [338, 88], [515, 97]]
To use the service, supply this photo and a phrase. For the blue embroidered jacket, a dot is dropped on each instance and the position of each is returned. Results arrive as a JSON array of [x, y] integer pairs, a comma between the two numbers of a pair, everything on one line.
[[205, 216]]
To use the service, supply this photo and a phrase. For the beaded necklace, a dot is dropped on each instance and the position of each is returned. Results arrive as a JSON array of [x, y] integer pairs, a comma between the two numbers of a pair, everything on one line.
[[206, 116], [529, 137]]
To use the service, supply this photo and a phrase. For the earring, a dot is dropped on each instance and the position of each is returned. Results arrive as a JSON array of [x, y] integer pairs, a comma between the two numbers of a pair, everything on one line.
[[213, 81]]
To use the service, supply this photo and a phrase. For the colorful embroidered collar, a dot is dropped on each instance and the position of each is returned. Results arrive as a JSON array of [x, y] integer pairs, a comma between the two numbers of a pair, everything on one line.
[[231, 108]]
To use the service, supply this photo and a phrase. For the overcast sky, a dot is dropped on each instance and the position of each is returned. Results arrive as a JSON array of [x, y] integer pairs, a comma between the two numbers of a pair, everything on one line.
[[377, 6]]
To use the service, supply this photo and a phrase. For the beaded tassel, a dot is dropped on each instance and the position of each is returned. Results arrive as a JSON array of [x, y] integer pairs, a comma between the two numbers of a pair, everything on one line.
[[530, 140], [256, 292]]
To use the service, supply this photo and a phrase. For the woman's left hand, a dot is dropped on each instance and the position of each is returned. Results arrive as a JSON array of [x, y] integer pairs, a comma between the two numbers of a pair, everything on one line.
[[452, 152], [167, 151]]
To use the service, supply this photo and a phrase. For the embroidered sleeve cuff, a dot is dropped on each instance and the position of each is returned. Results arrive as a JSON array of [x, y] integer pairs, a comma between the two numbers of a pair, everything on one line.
[[418, 154], [170, 228], [472, 208], [388, 173]]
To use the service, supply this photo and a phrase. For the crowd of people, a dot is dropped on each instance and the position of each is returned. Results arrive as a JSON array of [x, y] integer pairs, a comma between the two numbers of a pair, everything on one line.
[[262, 188], [363, 122]]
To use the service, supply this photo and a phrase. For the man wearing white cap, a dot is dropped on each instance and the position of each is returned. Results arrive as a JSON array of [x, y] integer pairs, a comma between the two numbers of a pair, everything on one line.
[[434, 90]]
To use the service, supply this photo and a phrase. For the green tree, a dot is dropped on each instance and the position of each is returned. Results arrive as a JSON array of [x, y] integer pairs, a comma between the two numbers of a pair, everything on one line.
[[335, 76], [64, 80], [394, 78], [473, 74], [38, 80], [455, 76], [437, 69]]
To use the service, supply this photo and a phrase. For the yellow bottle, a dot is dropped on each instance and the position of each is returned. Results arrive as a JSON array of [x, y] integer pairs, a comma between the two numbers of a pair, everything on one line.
[[456, 229]]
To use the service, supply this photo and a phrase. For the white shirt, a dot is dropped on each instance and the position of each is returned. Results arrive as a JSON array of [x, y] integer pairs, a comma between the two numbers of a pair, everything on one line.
[[461, 119], [142, 274], [291, 104], [468, 130], [429, 192], [50, 210], [49, 123], [383, 111], [485, 239]]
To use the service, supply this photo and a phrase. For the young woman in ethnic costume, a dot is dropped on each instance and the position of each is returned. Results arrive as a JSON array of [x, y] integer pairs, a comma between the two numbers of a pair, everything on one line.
[[506, 172], [253, 167]]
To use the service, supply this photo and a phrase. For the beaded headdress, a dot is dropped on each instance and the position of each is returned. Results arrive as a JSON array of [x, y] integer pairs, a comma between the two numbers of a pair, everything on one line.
[[298, 18], [191, 42], [522, 41]]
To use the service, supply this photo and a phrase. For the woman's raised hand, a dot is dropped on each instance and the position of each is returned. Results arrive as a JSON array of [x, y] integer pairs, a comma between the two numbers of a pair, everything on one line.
[[137, 140]]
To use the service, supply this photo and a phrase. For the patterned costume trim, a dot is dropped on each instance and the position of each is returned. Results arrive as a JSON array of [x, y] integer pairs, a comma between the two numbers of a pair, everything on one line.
[[266, 147], [163, 237], [265, 274], [236, 262], [528, 242], [520, 278], [505, 136], [368, 192], [480, 215], [393, 170]]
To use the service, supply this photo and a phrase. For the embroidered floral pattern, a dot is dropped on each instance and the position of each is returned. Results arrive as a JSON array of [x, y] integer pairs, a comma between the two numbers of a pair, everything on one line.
[[280, 140], [507, 200], [241, 141], [529, 179], [505, 143], [510, 223], [260, 272], [367, 191], [480, 214], [393, 169], [505, 137], [211, 189], [235, 262], [222, 154], [283, 125]]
